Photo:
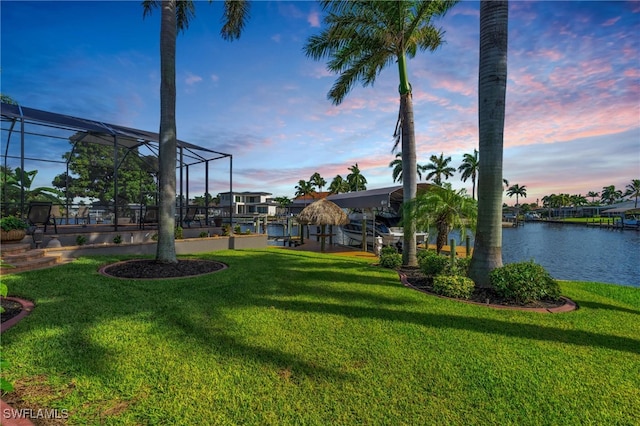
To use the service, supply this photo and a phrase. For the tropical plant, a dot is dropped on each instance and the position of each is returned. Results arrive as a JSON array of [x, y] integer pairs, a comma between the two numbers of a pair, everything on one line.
[[593, 195], [518, 191], [446, 209], [13, 182], [397, 168], [524, 282], [356, 180], [317, 181], [175, 17], [361, 39], [457, 286], [283, 202], [469, 170], [10, 223], [304, 188], [338, 185], [610, 194], [492, 88], [439, 169], [633, 191]]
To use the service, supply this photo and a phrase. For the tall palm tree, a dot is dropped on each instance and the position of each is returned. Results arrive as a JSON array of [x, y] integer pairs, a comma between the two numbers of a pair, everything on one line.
[[518, 191], [304, 188], [440, 168], [633, 191], [356, 180], [610, 194], [469, 169], [593, 195], [175, 16], [317, 181], [397, 168], [361, 39], [492, 88], [445, 208], [338, 185]]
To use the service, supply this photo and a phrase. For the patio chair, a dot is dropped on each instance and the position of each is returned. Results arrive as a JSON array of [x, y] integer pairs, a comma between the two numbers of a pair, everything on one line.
[[150, 216], [192, 216], [82, 216], [40, 214]]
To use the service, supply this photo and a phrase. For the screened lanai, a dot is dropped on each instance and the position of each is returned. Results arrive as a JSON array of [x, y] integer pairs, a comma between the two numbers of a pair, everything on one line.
[[35, 137]]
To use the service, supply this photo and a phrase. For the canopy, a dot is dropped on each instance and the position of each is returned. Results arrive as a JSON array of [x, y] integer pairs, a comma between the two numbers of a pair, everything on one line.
[[373, 198]]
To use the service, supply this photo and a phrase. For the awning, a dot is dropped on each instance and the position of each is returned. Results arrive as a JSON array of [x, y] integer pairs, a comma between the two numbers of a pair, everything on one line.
[[373, 198]]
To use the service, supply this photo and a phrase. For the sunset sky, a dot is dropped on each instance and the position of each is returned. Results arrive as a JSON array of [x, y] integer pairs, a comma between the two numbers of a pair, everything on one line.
[[573, 92]]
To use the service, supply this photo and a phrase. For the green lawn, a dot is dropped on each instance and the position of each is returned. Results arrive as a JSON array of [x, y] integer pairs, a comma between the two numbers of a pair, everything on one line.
[[286, 337]]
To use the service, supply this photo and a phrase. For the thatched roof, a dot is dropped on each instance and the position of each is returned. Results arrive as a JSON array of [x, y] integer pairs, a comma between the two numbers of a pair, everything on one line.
[[323, 212]]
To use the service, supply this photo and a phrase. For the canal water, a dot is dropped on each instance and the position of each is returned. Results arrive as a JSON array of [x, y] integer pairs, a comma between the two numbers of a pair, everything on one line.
[[568, 252]]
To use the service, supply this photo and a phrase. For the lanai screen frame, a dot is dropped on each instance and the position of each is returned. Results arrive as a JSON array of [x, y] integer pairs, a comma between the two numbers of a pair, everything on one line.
[[91, 131]]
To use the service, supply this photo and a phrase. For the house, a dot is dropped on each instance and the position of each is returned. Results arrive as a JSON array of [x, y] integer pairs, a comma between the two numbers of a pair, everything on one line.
[[249, 203]]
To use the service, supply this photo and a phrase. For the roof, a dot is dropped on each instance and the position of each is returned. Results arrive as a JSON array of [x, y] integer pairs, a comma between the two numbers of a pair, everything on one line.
[[92, 131], [373, 198]]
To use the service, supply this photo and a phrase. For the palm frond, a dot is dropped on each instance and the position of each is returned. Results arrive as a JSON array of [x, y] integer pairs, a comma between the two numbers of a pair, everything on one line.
[[236, 14]]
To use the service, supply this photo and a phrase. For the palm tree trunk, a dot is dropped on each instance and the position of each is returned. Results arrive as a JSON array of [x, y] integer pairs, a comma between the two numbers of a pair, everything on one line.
[[166, 249], [409, 179], [492, 85]]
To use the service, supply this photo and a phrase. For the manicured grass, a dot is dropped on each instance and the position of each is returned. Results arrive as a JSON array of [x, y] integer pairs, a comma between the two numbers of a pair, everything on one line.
[[288, 337]]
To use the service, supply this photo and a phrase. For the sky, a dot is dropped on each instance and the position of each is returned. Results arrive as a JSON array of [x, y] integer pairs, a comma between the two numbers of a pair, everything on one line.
[[572, 112]]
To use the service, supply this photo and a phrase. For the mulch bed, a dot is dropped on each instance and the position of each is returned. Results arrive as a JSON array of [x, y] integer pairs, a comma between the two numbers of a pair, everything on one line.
[[417, 279], [11, 309], [152, 269]]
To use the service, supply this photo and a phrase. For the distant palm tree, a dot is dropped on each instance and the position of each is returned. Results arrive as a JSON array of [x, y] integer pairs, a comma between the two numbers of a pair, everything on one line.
[[317, 181], [175, 17], [446, 209], [440, 168], [517, 190], [593, 196], [338, 185], [355, 179], [610, 194], [633, 191], [361, 38], [397, 168], [578, 200], [304, 188], [469, 169]]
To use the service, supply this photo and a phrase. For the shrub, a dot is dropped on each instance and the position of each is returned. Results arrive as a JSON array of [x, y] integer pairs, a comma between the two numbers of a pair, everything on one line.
[[9, 223], [432, 263], [524, 282], [460, 267], [390, 259], [236, 229], [154, 237], [81, 240], [453, 286], [226, 230], [203, 234], [117, 239], [178, 234], [388, 250]]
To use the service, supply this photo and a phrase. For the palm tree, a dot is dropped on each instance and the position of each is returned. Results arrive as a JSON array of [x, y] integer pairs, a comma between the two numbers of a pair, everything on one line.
[[440, 168], [469, 169], [506, 183], [338, 185], [610, 194], [492, 88], [356, 180], [517, 190], [397, 168], [633, 191], [317, 181], [593, 196], [445, 208], [361, 39], [304, 188], [175, 17]]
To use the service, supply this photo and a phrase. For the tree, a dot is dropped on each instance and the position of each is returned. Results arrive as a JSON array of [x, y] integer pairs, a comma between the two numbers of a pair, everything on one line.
[[610, 194], [338, 185], [518, 191], [317, 181], [397, 168], [356, 180], [440, 168], [469, 169], [445, 208], [492, 88], [283, 202], [304, 188], [175, 17], [361, 39], [633, 191], [593, 196]]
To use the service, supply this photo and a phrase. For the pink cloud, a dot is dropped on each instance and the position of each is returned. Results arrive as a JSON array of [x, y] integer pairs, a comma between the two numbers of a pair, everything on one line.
[[314, 19], [611, 21]]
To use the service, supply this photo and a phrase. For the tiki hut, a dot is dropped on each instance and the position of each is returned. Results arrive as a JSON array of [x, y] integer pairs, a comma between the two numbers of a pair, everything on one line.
[[323, 212]]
